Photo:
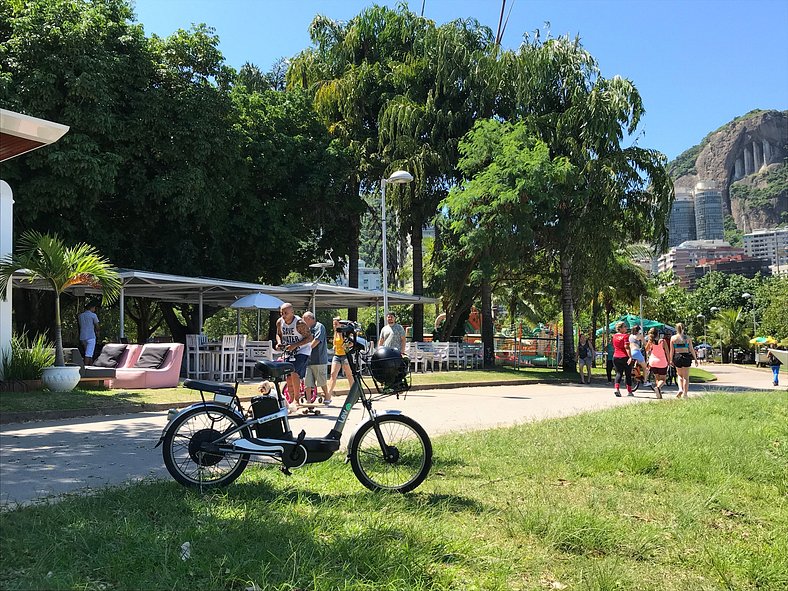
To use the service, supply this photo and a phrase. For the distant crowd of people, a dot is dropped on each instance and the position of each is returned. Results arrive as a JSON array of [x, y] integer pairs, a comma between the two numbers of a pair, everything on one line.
[[631, 354], [306, 342]]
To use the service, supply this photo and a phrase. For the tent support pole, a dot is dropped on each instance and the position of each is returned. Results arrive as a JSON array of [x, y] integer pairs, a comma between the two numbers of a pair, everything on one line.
[[122, 314]]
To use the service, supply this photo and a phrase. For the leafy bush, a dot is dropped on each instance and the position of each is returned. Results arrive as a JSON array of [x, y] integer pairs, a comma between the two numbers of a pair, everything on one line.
[[27, 358]]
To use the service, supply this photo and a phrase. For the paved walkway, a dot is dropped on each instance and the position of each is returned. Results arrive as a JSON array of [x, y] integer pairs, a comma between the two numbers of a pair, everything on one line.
[[47, 458]]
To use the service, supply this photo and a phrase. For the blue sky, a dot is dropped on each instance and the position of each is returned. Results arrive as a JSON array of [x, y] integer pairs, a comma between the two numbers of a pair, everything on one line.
[[697, 63]]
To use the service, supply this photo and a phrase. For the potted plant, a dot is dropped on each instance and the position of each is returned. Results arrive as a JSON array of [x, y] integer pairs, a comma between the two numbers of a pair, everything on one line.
[[46, 257], [24, 361]]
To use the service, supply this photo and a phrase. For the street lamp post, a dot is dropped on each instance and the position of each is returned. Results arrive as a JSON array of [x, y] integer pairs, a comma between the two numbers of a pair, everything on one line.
[[397, 178], [703, 318], [714, 310], [754, 327]]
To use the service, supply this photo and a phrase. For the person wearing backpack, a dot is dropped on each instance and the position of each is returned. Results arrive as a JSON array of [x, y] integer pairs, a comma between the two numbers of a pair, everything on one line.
[[584, 357]]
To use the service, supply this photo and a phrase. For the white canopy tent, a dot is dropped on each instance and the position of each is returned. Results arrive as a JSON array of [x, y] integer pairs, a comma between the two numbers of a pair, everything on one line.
[[224, 292], [19, 134]]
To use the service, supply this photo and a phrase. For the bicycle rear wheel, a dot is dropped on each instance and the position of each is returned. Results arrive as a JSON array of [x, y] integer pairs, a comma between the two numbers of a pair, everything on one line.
[[184, 454], [401, 463]]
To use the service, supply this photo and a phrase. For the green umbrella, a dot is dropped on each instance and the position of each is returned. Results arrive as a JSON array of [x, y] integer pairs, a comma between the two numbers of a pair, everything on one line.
[[632, 320]]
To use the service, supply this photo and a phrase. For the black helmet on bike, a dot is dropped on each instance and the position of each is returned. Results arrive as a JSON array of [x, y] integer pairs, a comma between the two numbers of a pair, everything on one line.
[[389, 368]]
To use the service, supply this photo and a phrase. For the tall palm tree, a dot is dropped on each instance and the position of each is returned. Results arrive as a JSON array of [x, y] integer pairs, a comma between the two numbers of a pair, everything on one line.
[[46, 257]]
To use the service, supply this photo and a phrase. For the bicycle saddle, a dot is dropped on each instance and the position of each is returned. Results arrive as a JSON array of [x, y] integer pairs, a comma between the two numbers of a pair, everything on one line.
[[274, 369], [206, 386]]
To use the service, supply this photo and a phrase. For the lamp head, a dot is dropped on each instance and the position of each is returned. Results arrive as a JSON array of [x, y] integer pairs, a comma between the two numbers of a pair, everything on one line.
[[399, 177]]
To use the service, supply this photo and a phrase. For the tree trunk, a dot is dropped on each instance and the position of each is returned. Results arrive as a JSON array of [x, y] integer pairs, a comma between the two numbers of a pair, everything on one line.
[[568, 362], [418, 280], [594, 315], [488, 340], [59, 358], [352, 273]]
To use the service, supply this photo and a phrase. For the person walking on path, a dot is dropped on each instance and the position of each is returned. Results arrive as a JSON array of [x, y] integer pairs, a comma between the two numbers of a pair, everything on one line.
[[392, 335], [318, 360], [339, 360], [621, 358], [775, 364], [681, 355], [88, 331], [657, 351], [636, 352], [584, 356], [293, 336], [609, 360]]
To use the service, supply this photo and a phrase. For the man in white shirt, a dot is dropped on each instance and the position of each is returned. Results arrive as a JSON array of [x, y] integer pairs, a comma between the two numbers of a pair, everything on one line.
[[88, 329], [392, 335]]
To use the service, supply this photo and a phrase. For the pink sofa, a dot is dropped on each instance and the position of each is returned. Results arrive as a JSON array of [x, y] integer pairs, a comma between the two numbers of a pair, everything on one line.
[[166, 376]]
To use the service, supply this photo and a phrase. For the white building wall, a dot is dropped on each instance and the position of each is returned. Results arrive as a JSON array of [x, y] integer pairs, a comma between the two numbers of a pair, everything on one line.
[[6, 247]]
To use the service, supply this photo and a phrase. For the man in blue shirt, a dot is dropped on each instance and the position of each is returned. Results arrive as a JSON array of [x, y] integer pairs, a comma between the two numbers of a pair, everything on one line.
[[88, 329], [316, 374]]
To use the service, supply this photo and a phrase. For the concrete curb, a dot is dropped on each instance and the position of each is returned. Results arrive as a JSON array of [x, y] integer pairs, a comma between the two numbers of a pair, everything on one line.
[[8, 418]]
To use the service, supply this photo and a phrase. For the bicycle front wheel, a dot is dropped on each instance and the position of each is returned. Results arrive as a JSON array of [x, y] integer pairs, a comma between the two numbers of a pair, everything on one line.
[[400, 462], [185, 454]]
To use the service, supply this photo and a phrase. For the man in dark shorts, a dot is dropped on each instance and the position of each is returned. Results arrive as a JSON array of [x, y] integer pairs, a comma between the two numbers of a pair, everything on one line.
[[294, 336]]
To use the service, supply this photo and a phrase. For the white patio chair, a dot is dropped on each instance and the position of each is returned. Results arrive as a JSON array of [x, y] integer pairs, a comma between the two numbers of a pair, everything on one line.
[[456, 356], [226, 369], [440, 355], [240, 356], [257, 351], [427, 353], [198, 360], [473, 355], [414, 355]]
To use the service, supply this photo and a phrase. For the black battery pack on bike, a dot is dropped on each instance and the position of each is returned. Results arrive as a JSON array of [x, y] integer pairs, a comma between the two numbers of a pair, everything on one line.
[[263, 406]]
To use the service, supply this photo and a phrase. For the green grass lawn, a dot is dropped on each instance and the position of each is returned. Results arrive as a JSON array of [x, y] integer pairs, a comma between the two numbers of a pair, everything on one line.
[[679, 495], [102, 398]]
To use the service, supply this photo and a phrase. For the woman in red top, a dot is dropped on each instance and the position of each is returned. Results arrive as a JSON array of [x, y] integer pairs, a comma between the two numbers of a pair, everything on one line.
[[621, 357]]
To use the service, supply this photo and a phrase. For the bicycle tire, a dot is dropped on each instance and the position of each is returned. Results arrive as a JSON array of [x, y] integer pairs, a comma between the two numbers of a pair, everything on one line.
[[183, 458], [635, 385], [410, 456]]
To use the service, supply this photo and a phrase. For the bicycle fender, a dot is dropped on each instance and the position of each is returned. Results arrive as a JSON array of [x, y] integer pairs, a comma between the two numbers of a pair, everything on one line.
[[358, 427], [171, 419]]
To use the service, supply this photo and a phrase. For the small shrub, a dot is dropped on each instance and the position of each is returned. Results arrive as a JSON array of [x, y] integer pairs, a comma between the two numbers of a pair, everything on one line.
[[26, 359]]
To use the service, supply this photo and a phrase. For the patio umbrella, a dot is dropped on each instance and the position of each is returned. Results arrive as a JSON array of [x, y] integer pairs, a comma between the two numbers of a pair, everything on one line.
[[763, 341], [632, 320], [255, 301]]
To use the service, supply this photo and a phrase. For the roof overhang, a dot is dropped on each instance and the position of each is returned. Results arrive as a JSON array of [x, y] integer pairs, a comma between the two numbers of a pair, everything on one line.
[[223, 292], [20, 134]]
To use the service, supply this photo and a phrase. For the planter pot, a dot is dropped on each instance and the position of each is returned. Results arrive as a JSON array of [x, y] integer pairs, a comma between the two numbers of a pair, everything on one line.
[[61, 379]]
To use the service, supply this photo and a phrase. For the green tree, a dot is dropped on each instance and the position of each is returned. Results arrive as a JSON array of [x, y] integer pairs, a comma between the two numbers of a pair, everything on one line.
[[510, 174], [47, 258], [443, 87], [556, 89], [771, 298], [730, 329]]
